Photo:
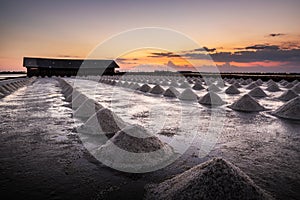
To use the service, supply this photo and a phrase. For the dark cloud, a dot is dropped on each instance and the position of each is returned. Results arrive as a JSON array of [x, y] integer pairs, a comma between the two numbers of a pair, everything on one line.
[[206, 49], [126, 61], [162, 54], [255, 53], [276, 34], [263, 47]]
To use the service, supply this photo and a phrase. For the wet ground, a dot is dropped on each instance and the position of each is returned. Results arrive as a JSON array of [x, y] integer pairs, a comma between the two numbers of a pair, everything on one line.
[[42, 156]]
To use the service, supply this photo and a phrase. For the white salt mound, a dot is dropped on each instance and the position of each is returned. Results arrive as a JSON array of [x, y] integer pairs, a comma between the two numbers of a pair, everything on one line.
[[184, 85], [246, 104], [273, 88], [88, 108], [232, 90], [213, 88], [211, 99], [188, 95], [157, 90], [289, 110], [171, 92], [78, 100], [288, 95], [198, 86], [103, 122], [257, 92], [251, 86], [144, 149], [214, 179], [145, 88], [296, 88]]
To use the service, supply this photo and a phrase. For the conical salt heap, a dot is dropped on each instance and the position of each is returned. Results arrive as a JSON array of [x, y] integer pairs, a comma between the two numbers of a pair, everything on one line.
[[296, 88], [211, 99], [295, 82], [246, 103], [273, 87], [257, 92], [214, 179], [78, 100], [174, 84], [103, 122], [259, 82], [133, 149], [171, 92], [237, 85], [157, 90], [87, 109], [188, 95], [289, 85], [184, 85], [289, 110], [213, 88], [232, 90], [251, 86], [145, 88], [288, 95], [198, 86]]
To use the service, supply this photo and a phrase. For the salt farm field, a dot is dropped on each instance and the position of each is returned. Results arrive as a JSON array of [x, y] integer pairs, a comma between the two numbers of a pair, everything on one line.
[[37, 119]]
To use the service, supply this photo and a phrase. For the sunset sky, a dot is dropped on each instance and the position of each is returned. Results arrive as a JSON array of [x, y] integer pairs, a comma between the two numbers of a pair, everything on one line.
[[239, 35]]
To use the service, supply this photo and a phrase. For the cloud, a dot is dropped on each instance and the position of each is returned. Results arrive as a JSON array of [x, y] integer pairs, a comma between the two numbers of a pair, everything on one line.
[[162, 54], [276, 34], [206, 49], [262, 47], [126, 61]]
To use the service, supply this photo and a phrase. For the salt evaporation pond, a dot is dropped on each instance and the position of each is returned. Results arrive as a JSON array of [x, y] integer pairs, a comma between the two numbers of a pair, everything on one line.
[[263, 146]]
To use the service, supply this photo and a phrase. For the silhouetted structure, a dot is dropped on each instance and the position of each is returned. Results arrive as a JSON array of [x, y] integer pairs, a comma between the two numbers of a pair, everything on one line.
[[68, 67]]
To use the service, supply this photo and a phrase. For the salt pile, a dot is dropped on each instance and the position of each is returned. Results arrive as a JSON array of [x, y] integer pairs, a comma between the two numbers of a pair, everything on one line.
[[288, 95], [273, 87], [289, 110], [157, 90], [211, 99], [103, 122], [184, 85], [289, 85], [171, 92], [246, 104], [257, 92], [88, 108], [145, 88], [198, 86], [232, 90], [188, 95], [251, 86], [174, 84], [214, 179], [213, 88], [78, 100], [296, 88], [133, 148], [237, 85]]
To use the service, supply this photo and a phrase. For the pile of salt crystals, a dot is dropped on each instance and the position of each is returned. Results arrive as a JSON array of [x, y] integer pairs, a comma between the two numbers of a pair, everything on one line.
[[214, 179], [213, 88], [211, 99], [246, 103], [257, 92], [188, 95], [88, 108], [157, 89], [288, 95], [232, 90], [134, 149], [289, 110], [171, 92], [103, 122], [198, 86], [145, 88], [296, 88], [273, 87]]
